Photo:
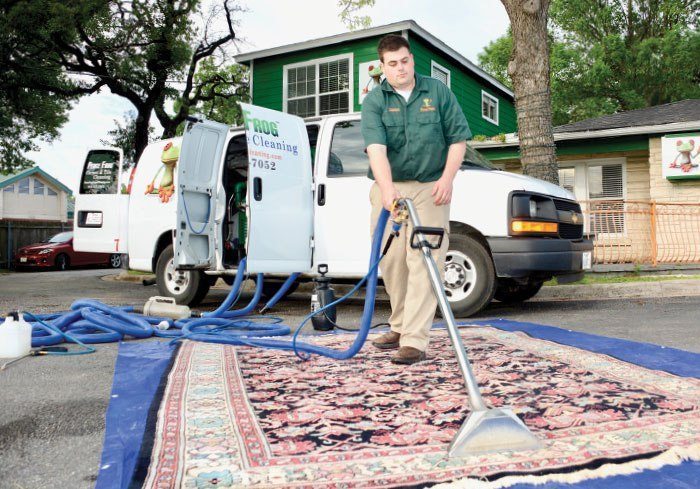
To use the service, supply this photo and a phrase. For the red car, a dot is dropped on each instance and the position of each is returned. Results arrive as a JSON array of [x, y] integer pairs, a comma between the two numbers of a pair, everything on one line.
[[57, 252]]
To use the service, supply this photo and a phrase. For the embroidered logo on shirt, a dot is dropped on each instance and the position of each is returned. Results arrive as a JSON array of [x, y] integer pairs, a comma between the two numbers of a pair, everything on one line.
[[426, 105], [394, 109]]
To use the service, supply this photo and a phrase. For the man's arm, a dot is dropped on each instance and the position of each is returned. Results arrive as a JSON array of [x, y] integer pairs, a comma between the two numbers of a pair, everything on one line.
[[442, 190], [381, 170], [374, 134], [456, 131]]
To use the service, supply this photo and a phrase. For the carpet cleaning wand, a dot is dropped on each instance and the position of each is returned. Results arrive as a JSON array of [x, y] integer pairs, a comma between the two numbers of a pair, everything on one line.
[[486, 429]]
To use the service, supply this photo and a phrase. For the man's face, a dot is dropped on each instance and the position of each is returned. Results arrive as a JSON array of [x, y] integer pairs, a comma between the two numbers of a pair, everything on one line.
[[399, 68]]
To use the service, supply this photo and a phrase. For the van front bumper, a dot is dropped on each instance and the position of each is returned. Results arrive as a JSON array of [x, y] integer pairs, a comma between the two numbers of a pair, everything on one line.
[[523, 257]]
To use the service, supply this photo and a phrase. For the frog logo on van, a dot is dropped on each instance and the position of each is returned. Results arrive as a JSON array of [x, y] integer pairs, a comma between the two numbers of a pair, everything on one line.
[[260, 125]]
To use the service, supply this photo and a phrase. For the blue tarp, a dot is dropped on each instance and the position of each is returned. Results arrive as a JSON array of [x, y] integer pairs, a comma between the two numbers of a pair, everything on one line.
[[140, 368]]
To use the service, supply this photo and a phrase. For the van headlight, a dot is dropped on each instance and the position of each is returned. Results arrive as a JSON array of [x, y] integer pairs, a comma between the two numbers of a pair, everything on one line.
[[532, 214]]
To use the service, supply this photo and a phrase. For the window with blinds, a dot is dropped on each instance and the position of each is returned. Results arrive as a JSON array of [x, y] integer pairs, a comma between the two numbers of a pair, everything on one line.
[[319, 88], [489, 107], [301, 91], [606, 193], [440, 73], [567, 178]]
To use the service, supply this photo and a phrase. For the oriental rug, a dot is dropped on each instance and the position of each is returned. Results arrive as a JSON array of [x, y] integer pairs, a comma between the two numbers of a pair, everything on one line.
[[245, 417]]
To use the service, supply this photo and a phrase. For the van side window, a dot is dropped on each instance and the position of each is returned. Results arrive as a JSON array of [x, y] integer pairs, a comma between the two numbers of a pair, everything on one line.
[[348, 157], [100, 173]]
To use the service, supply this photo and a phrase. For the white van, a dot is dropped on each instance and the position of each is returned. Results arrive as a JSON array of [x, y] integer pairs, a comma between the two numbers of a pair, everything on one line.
[[508, 233]]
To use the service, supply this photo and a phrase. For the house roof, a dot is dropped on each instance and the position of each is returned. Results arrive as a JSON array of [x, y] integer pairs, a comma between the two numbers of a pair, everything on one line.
[[405, 25], [681, 111], [6, 180], [681, 116]]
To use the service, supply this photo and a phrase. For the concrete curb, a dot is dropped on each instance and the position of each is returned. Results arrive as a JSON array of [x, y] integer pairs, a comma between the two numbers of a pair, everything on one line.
[[627, 290]]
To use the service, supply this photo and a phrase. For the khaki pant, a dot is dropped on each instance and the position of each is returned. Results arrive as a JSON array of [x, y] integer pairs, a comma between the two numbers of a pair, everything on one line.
[[405, 275]]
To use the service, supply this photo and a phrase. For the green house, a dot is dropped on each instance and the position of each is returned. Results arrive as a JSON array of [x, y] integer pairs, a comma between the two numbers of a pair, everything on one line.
[[331, 75]]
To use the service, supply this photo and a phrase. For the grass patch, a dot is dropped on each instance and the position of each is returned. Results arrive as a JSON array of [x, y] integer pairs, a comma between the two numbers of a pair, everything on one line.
[[590, 279], [137, 272]]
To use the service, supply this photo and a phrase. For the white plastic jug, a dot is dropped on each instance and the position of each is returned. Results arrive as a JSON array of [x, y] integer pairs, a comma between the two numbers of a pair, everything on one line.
[[15, 336]]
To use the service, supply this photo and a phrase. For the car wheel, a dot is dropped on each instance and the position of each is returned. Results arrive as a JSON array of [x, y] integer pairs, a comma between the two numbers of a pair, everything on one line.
[[188, 287], [115, 260], [470, 277], [62, 262], [511, 292]]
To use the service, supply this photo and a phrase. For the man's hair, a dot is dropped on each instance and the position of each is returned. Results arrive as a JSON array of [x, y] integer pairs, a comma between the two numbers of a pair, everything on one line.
[[392, 42]]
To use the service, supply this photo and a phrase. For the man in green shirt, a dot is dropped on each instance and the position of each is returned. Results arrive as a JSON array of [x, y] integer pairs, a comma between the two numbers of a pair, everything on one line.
[[415, 133]]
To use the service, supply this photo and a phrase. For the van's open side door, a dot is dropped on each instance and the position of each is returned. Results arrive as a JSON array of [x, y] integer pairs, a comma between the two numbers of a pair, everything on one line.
[[102, 204], [280, 193], [199, 170]]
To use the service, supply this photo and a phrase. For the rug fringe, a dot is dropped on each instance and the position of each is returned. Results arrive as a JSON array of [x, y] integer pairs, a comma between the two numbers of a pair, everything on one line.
[[673, 456]]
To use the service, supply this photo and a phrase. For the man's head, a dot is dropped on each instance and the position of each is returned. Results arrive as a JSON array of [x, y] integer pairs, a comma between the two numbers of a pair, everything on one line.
[[397, 61]]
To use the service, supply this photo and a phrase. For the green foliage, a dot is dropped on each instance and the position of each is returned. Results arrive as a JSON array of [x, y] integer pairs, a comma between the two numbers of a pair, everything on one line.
[[123, 135], [25, 115], [479, 137], [349, 13], [147, 51], [608, 56]]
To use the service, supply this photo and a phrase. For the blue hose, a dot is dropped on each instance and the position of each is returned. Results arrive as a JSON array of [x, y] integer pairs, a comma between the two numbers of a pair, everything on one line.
[[90, 321]]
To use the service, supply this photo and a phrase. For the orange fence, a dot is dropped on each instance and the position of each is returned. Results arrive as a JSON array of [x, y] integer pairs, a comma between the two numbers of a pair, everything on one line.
[[643, 232]]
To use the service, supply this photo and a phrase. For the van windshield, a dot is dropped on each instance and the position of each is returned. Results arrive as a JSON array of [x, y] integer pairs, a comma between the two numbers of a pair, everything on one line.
[[474, 159]]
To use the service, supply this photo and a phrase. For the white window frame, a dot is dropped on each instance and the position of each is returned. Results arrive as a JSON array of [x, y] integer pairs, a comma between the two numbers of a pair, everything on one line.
[[581, 184], [492, 99], [10, 189], [316, 62], [29, 186], [438, 66]]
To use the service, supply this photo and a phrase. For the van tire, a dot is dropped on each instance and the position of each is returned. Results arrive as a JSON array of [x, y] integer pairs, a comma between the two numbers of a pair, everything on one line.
[[470, 277], [187, 287], [511, 292]]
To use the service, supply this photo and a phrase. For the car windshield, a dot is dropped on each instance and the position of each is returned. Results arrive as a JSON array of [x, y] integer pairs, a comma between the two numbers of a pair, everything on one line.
[[474, 159], [60, 237]]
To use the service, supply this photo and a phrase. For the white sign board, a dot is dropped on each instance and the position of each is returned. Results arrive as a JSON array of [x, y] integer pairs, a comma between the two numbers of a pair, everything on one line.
[[680, 156]]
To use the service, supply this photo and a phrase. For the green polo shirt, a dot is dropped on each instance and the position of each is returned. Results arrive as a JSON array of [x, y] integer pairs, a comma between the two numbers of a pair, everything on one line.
[[417, 133]]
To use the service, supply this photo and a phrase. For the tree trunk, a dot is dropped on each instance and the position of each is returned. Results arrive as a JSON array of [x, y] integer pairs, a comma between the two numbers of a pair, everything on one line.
[[143, 118], [529, 70]]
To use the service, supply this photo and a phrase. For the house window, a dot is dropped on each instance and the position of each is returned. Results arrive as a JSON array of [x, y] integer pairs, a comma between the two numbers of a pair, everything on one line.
[[23, 186], [567, 179], [50, 192], [320, 87], [602, 184], [440, 73], [9, 188], [38, 187], [489, 107]]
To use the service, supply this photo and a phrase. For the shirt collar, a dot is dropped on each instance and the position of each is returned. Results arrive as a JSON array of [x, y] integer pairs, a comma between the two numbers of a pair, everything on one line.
[[420, 86]]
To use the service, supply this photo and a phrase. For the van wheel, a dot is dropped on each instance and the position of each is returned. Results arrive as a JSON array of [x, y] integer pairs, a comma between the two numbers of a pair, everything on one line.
[[188, 287], [510, 292], [470, 278]]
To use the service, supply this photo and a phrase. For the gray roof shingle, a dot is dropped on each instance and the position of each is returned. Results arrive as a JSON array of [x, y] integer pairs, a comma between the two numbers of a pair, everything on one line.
[[681, 111]]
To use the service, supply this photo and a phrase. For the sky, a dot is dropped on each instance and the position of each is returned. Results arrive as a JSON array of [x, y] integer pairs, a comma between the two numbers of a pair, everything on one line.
[[465, 25]]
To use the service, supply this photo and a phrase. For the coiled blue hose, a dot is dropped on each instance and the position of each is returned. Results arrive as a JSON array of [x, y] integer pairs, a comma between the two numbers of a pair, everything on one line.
[[91, 321]]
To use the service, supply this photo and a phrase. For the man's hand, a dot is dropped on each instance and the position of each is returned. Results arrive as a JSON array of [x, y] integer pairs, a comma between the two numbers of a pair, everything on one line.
[[442, 191], [389, 195]]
